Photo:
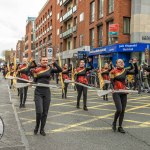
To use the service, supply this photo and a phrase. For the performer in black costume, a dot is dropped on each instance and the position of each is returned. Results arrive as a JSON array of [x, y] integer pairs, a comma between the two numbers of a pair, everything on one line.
[[65, 75], [42, 95], [118, 76], [80, 75], [22, 72]]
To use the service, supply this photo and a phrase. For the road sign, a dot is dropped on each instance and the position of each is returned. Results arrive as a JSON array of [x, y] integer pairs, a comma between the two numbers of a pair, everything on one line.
[[113, 29], [49, 53]]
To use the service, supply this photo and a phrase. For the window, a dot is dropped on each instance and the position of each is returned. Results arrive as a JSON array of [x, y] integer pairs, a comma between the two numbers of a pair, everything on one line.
[[81, 40], [111, 6], [58, 2], [58, 16], [69, 45], [92, 37], [81, 17], [75, 21], [75, 42], [126, 25], [57, 31], [100, 36], [92, 11], [101, 7]]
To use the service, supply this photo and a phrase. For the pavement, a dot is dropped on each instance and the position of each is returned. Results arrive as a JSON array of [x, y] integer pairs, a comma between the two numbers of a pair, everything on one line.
[[69, 128], [12, 138]]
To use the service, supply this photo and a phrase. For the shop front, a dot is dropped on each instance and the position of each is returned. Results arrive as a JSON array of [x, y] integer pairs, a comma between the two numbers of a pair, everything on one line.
[[119, 51]]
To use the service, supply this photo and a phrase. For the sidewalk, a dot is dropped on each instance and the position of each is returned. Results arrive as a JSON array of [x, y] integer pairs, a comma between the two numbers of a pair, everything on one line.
[[13, 138]]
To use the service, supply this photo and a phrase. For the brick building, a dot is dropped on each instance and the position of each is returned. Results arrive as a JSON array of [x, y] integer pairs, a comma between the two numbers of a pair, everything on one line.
[[29, 38], [20, 50], [70, 26]]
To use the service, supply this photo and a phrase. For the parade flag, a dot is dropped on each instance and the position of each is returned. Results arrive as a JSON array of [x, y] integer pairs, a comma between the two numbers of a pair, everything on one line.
[[101, 80]]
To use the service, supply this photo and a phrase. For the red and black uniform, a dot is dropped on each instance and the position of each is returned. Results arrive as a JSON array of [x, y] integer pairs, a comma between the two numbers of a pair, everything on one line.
[[11, 74], [23, 72], [42, 95], [105, 74], [81, 76], [120, 99], [65, 75]]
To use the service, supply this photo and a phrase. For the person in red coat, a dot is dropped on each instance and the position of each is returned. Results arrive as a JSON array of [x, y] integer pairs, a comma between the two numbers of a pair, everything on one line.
[[118, 77]]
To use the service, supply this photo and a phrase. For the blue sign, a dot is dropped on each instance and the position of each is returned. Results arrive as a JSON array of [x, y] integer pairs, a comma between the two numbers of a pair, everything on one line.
[[131, 47], [113, 33], [82, 53]]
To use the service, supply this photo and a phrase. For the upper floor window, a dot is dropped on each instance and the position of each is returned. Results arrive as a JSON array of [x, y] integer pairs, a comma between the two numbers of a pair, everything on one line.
[[111, 6], [92, 37], [100, 36], [92, 11], [101, 8], [81, 40], [126, 25]]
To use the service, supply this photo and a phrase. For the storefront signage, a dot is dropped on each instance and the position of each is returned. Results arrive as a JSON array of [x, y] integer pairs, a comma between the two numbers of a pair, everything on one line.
[[132, 47]]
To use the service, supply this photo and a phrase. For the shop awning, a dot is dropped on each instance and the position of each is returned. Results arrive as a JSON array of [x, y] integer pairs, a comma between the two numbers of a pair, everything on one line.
[[129, 47]]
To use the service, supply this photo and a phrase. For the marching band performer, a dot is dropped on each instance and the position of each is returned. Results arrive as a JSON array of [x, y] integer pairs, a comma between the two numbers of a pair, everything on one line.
[[12, 71], [81, 73], [65, 75], [22, 72], [105, 75], [42, 95], [120, 99]]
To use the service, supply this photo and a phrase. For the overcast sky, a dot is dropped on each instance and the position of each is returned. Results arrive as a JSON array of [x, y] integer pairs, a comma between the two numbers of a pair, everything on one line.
[[13, 16]]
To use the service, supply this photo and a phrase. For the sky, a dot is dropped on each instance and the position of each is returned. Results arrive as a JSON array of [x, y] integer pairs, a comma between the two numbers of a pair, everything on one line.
[[13, 16]]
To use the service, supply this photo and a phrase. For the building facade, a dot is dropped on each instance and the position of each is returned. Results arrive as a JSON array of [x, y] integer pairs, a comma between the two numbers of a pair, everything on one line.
[[140, 28], [30, 38], [71, 26], [20, 50], [110, 28]]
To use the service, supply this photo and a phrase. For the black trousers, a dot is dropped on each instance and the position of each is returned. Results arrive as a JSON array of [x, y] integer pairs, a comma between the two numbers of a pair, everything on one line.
[[65, 89], [42, 97], [106, 85], [80, 90], [23, 94], [120, 101]]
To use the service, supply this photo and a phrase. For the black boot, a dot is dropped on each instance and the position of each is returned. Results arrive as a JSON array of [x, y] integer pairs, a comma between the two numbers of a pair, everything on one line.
[[43, 122], [65, 96], [42, 132], [36, 130], [38, 120], [114, 127], [121, 130], [85, 108], [104, 97], [20, 106], [23, 106], [62, 95], [78, 105]]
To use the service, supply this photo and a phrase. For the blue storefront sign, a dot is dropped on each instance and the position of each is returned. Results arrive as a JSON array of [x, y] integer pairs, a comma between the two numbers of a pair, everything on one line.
[[121, 51], [131, 47]]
